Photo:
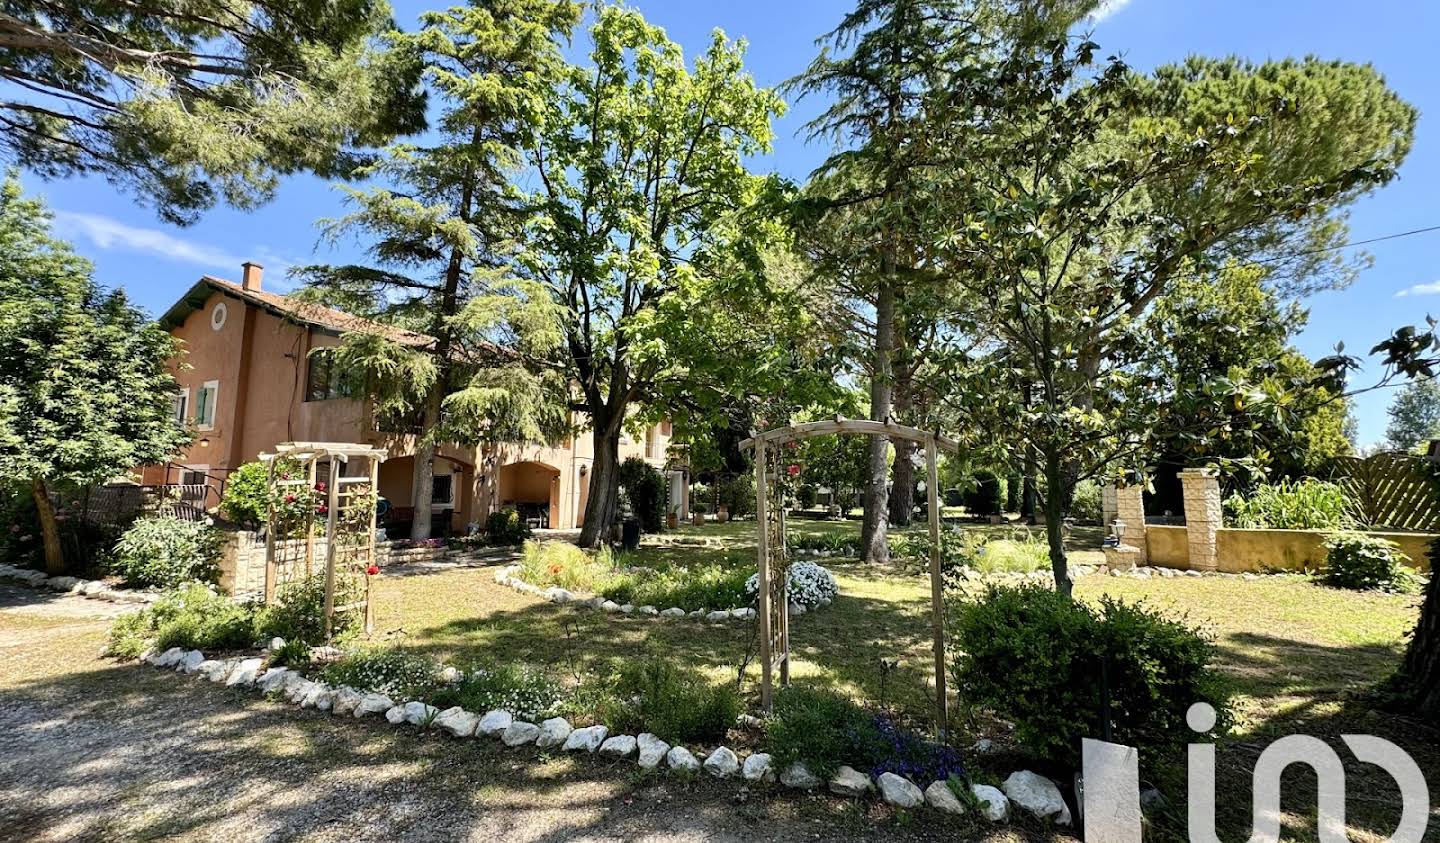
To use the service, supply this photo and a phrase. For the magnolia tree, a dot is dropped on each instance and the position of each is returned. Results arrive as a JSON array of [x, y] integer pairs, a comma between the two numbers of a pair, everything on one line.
[[85, 383]]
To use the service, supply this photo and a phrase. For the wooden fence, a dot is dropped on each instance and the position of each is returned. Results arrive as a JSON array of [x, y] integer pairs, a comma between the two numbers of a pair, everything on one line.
[[1392, 491]]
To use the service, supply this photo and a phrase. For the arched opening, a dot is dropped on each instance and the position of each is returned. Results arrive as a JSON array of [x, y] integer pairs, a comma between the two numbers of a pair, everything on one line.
[[533, 490]]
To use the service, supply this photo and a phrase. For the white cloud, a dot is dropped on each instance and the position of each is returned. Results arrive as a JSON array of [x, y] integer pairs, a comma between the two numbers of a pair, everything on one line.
[[1431, 289], [107, 233], [1107, 8]]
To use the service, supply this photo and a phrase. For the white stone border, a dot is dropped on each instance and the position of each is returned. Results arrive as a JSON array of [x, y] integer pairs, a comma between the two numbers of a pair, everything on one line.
[[94, 589], [1034, 793]]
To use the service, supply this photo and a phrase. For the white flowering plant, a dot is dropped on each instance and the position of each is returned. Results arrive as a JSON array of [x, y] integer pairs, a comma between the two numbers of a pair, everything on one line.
[[394, 673], [527, 694], [810, 585]]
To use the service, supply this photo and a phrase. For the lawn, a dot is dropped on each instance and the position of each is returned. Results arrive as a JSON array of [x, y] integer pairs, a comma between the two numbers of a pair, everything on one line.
[[1300, 657]]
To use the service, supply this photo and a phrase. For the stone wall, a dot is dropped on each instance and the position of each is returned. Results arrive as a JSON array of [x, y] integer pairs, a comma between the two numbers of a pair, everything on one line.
[[1249, 550]]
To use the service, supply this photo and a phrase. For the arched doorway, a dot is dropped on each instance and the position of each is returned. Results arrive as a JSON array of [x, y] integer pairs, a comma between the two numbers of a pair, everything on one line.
[[533, 490]]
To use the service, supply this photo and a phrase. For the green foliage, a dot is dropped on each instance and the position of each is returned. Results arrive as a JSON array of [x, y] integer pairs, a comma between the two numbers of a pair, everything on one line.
[[1307, 504], [166, 552], [646, 489], [295, 653], [298, 613], [562, 564], [1366, 563], [690, 587], [400, 675], [1034, 656], [505, 528], [1018, 555], [807, 496], [1015, 487], [247, 492], [985, 493], [85, 382], [526, 694], [1087, 505], [655, 695], [821, 729], [1414, 415], [193, 617], [738, 493], [187, 104]]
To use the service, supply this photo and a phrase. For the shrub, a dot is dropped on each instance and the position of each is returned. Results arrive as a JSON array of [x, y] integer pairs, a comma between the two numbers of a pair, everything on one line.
[[810, 585], [168, 552], [821, 729], [1035, 657], [1014, 487], [1307, 504], [645, 486], [193, 617], [1086, 505], [559, 563], [953, 497], [399, 675], [527, 694], [713, 586], [986, 493], [505, 527], [298, 613], [738, 493], [1357, 561], [295, 653], [247, 494], [654, 695], [807, 496]]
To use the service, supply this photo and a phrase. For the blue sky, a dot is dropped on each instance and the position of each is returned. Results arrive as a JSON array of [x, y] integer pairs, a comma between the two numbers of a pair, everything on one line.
[[156, 262]]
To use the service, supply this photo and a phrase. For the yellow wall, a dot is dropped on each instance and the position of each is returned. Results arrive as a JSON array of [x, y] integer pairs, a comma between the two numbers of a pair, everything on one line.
[[1240, 550]]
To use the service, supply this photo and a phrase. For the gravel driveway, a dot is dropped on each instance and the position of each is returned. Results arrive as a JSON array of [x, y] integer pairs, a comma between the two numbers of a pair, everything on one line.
[[94, 750]]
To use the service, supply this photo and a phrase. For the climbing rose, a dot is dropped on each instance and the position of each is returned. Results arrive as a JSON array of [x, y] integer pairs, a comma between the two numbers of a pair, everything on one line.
[[373, 570]]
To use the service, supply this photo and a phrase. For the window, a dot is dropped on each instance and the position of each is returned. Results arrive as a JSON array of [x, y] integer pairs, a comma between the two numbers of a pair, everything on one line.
[[180, 407], [205, 405], [322, 383], [443, 491]]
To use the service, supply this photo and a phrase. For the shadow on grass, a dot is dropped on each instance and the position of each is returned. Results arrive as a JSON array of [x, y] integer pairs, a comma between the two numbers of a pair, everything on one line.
[[137, 753], [1287, 687]]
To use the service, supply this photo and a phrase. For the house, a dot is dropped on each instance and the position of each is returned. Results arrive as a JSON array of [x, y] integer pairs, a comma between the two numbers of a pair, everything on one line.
[[247, 383]]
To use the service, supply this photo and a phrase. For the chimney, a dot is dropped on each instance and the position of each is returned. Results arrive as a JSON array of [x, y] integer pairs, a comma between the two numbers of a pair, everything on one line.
[[250, 279]]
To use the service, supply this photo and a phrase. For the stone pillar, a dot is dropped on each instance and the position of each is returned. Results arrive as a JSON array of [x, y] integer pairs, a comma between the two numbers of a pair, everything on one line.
[[1130, 508], [1107, 505], [1203, 514]]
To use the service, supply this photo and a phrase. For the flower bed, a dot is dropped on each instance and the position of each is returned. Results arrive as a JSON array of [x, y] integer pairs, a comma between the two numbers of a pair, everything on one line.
[[649, 751]]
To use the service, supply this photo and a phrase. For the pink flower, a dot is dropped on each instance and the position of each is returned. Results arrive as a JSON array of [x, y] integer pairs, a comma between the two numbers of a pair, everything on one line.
[[793, 470], [289, 498], [320, 487], [322, 509], [372, 570]]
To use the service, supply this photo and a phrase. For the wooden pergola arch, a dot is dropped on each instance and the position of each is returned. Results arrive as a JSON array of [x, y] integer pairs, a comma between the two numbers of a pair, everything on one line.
[[775, 632]]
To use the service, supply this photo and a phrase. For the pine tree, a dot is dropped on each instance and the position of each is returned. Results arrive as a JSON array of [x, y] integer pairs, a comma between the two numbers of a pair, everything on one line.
[[443, 231]]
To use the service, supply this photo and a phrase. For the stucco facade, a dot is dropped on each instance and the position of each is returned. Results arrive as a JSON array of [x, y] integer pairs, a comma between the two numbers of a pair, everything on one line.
[[246, 385]]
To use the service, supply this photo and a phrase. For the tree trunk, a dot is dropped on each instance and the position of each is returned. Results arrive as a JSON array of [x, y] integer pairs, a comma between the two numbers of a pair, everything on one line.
[[1055, 523], [874, 529], [424, 474], [902, 489], [603, 499], [49, 528], [1419, 677]]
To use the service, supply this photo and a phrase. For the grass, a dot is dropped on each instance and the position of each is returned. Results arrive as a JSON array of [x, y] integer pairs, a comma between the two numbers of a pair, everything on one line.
[[1299, 656]]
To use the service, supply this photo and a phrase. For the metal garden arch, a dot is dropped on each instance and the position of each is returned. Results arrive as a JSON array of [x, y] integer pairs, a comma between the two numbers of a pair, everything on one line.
[[773, 612]]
